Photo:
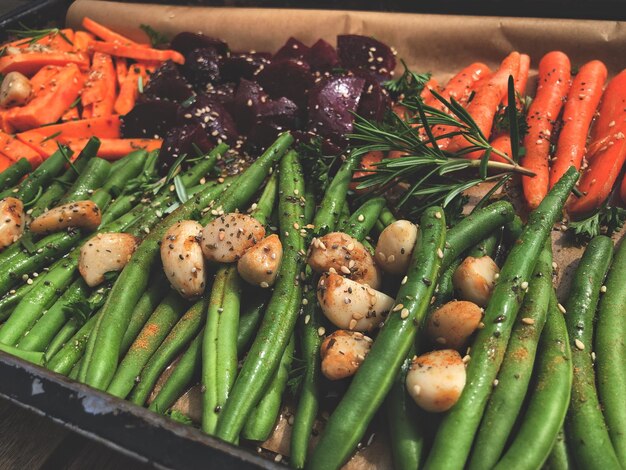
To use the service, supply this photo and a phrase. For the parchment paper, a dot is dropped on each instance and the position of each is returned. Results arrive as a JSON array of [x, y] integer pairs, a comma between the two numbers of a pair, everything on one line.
[[435, 43]]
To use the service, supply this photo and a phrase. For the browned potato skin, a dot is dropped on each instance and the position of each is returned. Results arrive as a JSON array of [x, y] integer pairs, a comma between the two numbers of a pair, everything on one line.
[[343, 352], [229, 236], [11, 221], [259, 265], [104, 253], [81, 214], [333, 251], [452, 324]]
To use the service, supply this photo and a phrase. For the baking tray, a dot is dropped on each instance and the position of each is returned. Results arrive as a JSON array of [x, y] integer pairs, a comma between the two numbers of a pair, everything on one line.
[[151, 438]]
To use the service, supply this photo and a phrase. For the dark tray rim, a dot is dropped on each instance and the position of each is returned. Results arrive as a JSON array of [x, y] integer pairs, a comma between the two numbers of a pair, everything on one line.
[[118, 424]]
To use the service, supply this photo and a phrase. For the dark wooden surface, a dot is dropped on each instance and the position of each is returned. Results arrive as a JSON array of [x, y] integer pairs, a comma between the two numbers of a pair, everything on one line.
[[29, 441]]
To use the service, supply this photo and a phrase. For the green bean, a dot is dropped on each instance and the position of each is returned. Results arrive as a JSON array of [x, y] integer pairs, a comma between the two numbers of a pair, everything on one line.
[[150, 338], [406, 432], [280, 317], [181, 335], [610, 349], [71, 352], [14, 297], [30, 356], [548, 399], [149, 300], [310, 321], [89, 348], [376, 375], [460, 423], [49, 324], [514, 375], [386, 217], [191, 361], [262, 420], [585, 427], [362, 221], [14, 173], [38, 179], [559, 458], [91, 178], [219, 355], [133, 279], [265, 204]]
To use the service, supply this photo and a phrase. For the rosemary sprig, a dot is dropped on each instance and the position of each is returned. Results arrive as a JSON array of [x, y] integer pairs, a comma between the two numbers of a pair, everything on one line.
[[429, 174], [156, 38], [32, 36], [409, 84]]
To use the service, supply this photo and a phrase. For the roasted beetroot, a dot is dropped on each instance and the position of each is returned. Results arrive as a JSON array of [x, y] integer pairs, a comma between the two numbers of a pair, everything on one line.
[[202, 67], [293, 49], [168, 84], [374, 99], [182, 140], [272, 118], [322, 57], [331, 104], [243, 65], [223, 92], [244, 105], [150, 119], [187, 42], [212, 116], [367, 53], [289, 78]]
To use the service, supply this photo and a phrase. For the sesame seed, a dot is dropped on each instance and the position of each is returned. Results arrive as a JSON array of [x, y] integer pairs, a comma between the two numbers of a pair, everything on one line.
[[307, 319], [264, 285], [528, 321], [321, 330], [404, 279], [524, 285], [496, 382], [466, 358], [352, 324], [305, 301], [404, 313], [439, 253], [398, 308], [437, 215], [361, 218], [391, 258], [561, 308], [345, 270], [603, 289], [579, 344]]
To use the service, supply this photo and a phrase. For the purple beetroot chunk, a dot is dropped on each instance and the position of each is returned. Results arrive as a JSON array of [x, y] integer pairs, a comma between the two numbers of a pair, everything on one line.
[[289, 78], [167, 83], [374, 100], [223, 92], [245, 103], [150, 119], [187, 42], [293, 49], [272, 118], [202, 67], [366, 53], [182, 140], [331, 104], [243, 65], [212, 116], [322, 57]]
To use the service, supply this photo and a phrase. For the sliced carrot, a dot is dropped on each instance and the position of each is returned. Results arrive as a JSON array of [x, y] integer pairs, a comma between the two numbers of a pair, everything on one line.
[[42, 78], [107, 34], [459, 87], [101, 127], [137, 52], [610, 113], [129, 90], [82, 39], [30, 63], [582, 100], [87, 112], [61, 42], [368, 164], [597, 181], [5, 162], [100, 87], [42, 144], [484, 105], [114, 149], [121, 70], [15, 149], [553, 84], [71, 114], [5, 126], [49, 104], [426, 95]]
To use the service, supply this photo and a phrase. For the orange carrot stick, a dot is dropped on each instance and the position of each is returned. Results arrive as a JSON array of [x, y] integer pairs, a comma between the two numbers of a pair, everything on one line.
[[610, 113], [129, 89], [114, 149], [15, 149], [598, 180], [40, 143], [121, 70], [552, 88], [426, 95], [101, 127], [137, 52], [30, 62], [105, 33], [582, 101], [368, 163], [458, 87], [49, 104], [82, 39], [484, 106], [71, 114]]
